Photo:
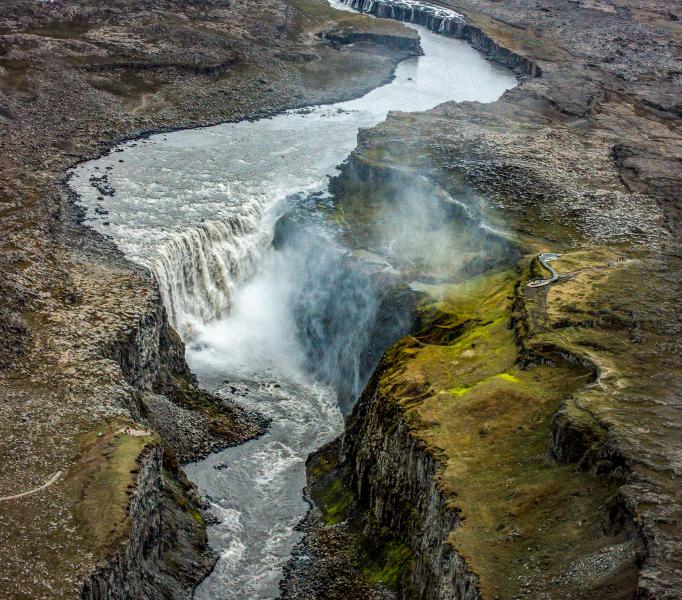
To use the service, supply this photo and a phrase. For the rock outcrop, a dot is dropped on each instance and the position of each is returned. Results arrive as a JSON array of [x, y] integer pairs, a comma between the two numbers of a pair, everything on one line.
[[447, 22], [394, 478], [166, 552]]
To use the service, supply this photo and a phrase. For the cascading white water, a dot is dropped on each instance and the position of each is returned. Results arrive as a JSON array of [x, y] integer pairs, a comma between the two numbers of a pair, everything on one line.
[[436, 18], [194, 217], [197, 207], [199, 267]]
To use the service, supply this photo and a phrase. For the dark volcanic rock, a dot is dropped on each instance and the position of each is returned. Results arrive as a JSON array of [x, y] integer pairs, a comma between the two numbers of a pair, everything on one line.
[[86, 348], [585, 160]]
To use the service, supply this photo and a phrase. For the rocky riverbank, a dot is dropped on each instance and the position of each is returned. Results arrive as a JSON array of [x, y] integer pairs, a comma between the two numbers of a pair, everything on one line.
[[94, 382], [541, 425], [521, 443]]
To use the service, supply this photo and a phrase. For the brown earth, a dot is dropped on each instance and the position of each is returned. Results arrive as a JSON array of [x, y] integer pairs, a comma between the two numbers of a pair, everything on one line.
[[585, 160], [554, 414], [85, 349]]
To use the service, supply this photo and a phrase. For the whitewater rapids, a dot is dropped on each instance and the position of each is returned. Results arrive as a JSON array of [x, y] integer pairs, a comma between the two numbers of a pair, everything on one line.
[[197, 208]]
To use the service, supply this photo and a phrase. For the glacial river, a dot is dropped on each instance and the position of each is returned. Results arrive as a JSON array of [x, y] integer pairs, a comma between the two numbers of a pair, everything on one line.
[[198, 208]]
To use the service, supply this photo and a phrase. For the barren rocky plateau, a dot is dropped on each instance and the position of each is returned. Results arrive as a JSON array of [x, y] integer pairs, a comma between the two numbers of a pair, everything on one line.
[[585, 159]]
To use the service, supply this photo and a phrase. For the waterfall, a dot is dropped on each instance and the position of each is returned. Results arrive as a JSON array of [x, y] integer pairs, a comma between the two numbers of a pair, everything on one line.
[[345, 313], [439, 20], [198, 267]]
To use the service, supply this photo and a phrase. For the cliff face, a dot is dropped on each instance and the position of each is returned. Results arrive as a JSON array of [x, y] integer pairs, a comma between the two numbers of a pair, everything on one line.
[[157, 546], [339, 35], [539, 422], [166, 552], [447, 22], [394, 479], [93, 379], [166, 398]]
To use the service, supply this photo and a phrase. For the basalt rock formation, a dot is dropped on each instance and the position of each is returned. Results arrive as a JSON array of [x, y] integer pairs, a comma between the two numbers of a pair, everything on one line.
[[94, 382], [540, 425], [446, 22], [166, 551]]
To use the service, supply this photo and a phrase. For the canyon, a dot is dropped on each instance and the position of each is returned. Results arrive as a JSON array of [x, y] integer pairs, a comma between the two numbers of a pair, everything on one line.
[[513, 441], [509, 530]]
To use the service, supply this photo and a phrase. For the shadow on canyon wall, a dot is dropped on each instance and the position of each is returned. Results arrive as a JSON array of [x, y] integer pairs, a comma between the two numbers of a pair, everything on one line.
[[349, 292]]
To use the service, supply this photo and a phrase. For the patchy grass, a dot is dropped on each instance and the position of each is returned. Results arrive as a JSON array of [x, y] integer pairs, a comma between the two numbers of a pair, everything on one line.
[[14, 76], [489, 419], [321, 65], [391, 566], [63, 30], [186, 501], [377, 559], [607, 310], [102, 481], [128, 85], [327, 488], [335, 499], [523, 41]]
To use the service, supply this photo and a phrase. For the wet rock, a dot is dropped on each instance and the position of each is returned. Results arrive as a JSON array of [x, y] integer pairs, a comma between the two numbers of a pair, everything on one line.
[[77, 80]]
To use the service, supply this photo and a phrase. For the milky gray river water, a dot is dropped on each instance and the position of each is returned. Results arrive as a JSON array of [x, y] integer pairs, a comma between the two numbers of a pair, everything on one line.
[[198, 207]]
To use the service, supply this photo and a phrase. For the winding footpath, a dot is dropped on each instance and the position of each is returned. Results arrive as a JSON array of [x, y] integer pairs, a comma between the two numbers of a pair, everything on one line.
[[53, 478], [545, 259]]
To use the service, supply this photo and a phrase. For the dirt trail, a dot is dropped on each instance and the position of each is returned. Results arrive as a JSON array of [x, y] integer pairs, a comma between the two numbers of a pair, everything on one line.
[[47, 484]]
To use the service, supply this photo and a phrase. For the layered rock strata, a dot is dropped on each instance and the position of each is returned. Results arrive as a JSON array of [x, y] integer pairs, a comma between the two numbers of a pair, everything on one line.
[[93, 379]]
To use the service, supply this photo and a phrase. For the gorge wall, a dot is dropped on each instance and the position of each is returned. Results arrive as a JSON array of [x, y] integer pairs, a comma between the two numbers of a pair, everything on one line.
[[446, 22], [166, 553], [394, 478], [94, 380], [543, 426]]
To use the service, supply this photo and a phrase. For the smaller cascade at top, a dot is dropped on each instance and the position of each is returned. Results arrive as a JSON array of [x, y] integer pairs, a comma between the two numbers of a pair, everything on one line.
[[440, 20]]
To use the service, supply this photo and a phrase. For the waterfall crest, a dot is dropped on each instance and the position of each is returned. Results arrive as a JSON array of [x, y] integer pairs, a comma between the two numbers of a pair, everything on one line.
[[439, 20], [198, 267], [197, 208]]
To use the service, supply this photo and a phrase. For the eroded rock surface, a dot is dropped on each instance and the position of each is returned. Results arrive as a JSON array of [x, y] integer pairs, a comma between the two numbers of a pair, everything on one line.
[[552, 414], [86, 353]]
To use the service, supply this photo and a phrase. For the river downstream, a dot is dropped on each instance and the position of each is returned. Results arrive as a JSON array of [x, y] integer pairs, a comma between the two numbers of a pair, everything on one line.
[[198, 208]]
